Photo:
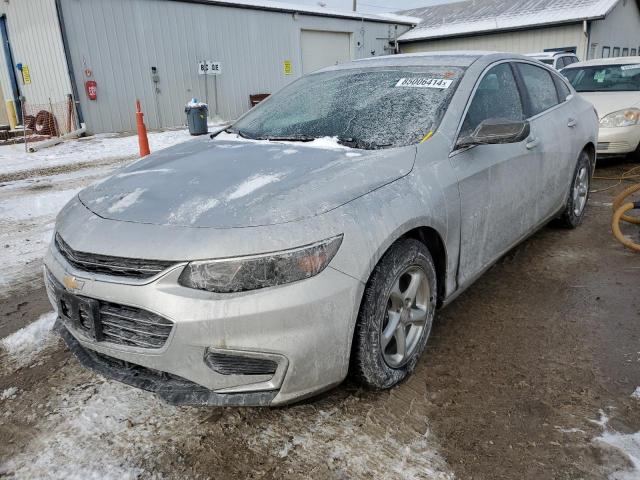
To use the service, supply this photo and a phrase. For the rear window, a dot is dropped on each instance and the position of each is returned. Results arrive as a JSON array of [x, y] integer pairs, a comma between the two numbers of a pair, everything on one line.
[[368, 108], [604, 78]]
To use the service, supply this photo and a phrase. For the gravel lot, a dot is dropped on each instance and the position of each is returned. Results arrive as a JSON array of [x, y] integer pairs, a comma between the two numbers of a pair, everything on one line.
[[530, 374]]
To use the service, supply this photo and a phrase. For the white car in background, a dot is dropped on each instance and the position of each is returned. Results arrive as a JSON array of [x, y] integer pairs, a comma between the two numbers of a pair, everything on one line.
[[557, 60], [612, 85]]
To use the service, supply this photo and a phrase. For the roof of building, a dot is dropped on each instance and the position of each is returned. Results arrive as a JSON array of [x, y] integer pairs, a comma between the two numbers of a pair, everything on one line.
[[284, 7], [473, 17]]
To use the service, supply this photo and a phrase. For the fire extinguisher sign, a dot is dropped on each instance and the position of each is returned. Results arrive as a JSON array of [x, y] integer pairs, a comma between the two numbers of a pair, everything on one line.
[[91, 87]]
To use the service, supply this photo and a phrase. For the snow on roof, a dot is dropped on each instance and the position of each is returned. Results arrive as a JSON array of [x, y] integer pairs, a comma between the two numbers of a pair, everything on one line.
[[475, 16], [310, 10]]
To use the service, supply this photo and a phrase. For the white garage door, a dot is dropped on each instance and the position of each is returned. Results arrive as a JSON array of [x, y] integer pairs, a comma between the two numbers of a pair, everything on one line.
[[322, 49]]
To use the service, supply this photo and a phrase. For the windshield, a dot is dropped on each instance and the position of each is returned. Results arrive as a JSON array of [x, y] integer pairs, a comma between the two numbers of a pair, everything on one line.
[[604, 78], [365, 108]]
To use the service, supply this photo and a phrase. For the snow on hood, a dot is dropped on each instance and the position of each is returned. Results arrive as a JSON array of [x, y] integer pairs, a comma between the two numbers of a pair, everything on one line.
[[231, 182], [609, 102]]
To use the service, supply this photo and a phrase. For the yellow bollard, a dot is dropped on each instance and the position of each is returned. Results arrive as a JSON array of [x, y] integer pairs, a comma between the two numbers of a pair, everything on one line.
[[11, 114]]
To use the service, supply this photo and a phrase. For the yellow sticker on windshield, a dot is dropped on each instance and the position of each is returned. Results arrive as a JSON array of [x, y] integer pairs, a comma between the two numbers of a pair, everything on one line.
[[426, 137]]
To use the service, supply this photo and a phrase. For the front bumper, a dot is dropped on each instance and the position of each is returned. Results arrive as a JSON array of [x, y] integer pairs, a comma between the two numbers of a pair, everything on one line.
[[305, 328], [618, 141]]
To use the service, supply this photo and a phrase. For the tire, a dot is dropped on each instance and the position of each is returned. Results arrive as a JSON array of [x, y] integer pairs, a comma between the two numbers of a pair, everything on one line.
[[376, 360], [578, 194]]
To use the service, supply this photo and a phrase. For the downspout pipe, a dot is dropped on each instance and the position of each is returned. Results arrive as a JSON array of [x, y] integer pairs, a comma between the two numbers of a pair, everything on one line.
[[586, 31], [67, 55]]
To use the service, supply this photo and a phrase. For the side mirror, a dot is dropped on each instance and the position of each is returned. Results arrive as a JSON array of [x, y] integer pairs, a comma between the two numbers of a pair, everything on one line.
[[493, 131]]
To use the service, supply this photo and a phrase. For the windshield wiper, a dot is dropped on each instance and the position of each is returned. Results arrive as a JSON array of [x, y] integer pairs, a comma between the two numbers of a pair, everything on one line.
[[362, 144], [287, 138]]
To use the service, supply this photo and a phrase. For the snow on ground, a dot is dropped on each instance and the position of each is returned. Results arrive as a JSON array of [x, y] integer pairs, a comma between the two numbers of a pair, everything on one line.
[[28, 207], [100, 147], [23, 345], [627, 444], [106, 430], [9, 393]]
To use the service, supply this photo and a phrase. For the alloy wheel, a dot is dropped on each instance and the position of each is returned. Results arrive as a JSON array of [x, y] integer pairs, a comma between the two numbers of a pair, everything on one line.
[[405, 317], [580, 191]]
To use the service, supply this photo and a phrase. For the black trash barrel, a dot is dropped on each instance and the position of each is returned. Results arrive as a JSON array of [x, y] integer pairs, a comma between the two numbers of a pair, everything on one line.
[[197, 114]]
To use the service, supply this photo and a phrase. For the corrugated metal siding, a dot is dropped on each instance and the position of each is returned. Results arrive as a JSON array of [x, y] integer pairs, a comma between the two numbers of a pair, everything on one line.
[[34, 35], [522, 41], [120, 40], [621, 28]]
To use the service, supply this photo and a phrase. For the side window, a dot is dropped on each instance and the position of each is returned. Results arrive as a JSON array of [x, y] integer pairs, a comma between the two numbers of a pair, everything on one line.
[[606, 52], [563, 90], [540, 86], [562, 62], [496, 98]]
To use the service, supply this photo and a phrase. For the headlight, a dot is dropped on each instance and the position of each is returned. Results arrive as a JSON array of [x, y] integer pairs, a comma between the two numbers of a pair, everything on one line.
[[621, 118], [259, 271]]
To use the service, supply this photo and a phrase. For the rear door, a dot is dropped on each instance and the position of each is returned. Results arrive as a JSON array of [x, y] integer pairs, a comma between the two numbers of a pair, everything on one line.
[[553, 125], [498, 183]]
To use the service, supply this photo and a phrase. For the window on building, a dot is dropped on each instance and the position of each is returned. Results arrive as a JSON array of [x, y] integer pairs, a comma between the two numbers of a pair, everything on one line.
[[540, 87], [616, 51], [633, 52], [497, 98], [606, 52], [625, 52]]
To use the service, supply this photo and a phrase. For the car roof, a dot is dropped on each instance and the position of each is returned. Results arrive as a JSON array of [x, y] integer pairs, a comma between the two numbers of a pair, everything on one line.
[[607, 61], [548, 54], [447, 58]]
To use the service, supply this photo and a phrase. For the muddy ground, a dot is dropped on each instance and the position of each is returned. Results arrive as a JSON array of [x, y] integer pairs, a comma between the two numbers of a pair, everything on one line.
[[518, 379]]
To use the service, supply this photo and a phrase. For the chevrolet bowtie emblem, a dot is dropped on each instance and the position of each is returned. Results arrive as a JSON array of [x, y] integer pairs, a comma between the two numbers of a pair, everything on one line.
[[72, 283]]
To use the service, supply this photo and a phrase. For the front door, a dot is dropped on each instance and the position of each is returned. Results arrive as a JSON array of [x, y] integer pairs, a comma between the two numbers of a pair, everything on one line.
[[498, 183]]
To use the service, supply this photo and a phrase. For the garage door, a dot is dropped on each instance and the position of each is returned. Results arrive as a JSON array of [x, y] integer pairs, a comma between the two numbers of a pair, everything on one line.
[[322, 49]]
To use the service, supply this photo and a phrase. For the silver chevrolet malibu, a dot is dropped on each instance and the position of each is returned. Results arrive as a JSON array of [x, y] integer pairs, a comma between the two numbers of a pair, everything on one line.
[[318, 235]]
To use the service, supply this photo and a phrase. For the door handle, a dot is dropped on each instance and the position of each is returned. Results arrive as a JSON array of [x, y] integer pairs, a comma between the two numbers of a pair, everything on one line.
[[572, 123], [532, 142]]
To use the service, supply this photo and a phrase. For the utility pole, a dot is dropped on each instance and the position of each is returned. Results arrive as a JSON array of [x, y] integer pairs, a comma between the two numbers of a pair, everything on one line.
[[354, 5]]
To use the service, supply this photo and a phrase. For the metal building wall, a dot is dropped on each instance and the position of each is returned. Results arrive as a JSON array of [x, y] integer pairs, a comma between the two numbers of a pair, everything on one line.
[[620, 28], [34, 35], [120, 40], [522, 41]]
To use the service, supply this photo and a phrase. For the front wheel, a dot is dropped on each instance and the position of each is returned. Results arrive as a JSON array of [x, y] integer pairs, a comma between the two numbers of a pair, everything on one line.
[[396, 315], [579, 193]]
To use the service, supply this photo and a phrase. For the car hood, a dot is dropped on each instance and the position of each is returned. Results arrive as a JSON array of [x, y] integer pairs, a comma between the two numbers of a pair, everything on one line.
[[230, 183], [609, 102]]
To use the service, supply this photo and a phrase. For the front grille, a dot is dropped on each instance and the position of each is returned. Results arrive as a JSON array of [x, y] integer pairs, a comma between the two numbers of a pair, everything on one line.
[[613, 146], [108, 265], [108, 321], [238, 365], [133, 326]]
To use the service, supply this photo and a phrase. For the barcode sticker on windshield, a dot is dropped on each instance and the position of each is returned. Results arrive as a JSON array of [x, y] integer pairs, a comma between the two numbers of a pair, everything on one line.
[[419, 82], [629, 67]]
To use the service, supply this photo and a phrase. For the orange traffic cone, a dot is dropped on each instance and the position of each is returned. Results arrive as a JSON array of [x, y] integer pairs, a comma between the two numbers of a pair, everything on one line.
[[143, 141]]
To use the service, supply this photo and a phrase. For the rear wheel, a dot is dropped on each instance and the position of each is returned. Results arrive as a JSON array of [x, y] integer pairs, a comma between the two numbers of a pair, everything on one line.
[[579, 193], [396, 315]]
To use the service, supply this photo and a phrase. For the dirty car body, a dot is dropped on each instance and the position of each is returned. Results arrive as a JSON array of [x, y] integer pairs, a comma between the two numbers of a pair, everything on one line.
[[231, 270]]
